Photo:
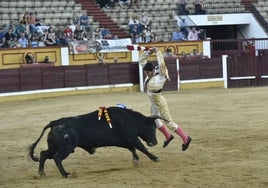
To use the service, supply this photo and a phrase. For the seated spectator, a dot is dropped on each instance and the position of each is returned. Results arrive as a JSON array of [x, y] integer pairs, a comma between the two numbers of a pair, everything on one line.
[[85, 37], [68, 32], [153, 37], [23, 40], [31, 21], [10, 35], [135, 34], [85, 22], [21, 28], [145, 22], [33, 41], [105, 4], [41, 42], [194, 34], [105, 32], [178, 35], [14, 43], [4, 43], [2, 34], [181, 6], [184, 27], [50, 37], [9, 25], [60, 37], [145, 35], [41, 29], [97, 34], [169, 53], [75, 18], [135, 3], [125, 3], [198, 7], [78, 32], [134, 20]]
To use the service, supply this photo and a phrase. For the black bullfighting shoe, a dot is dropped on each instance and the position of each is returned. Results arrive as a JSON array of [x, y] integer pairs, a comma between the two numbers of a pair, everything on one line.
[[185, 146], [168, 140]]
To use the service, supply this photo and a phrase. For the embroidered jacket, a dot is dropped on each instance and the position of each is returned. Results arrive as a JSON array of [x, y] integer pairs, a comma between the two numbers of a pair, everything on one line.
[[155, 83]]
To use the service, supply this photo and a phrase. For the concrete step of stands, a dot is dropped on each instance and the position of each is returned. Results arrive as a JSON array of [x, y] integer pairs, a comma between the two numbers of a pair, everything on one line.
[[93, 9]]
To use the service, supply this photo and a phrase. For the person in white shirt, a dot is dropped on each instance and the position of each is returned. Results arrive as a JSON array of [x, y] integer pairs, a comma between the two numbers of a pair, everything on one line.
[[194, 34]]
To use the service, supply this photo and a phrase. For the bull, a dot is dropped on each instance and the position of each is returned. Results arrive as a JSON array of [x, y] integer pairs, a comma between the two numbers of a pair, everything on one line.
[[88, 132]]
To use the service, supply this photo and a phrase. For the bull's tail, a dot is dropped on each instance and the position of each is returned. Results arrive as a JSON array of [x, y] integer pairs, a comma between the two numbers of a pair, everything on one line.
[[31, 148]]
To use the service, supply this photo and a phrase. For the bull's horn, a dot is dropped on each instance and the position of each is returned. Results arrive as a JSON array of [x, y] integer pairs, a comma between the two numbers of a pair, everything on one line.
[[159, 117]]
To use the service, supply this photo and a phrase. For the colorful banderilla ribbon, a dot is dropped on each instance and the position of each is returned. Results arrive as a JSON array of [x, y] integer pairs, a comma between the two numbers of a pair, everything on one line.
[[102, 109]]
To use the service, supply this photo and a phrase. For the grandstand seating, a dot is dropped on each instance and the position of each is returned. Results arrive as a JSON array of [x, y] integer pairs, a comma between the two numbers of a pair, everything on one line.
[[161, 13]]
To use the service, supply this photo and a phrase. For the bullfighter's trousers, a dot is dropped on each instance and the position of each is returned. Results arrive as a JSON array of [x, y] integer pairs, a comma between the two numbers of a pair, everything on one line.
[[159, 106]]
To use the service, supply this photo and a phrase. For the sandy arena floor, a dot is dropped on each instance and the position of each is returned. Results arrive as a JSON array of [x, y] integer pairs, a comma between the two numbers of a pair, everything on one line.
[[229, 148]]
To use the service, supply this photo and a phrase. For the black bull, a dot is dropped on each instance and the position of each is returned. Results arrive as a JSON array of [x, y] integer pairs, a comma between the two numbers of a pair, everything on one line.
[[88, 132]]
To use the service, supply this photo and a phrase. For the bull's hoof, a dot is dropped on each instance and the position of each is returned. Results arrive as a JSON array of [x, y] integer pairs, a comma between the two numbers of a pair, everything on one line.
[[42, 173], [67, 175], [136, 161], [156, 159]]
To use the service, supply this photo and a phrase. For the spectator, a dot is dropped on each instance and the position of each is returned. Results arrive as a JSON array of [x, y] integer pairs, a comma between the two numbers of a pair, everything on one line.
[[198, 7], [50, 37], [75, 18], [41, 29], [85, 22], [11, 25], [73, 26], [178, 35], [41, 42], [135, 34], [145, 35], [23, 40], [31, 21], [85, 37], [181, 6], [78, 32], [97, 34], [21, 28], [2, 34], [184, 26], [69, 34], [135, 3], [60, 37], [134, 20], [104, 4], [9, 36], [194, 34], [106, 34], [145, 22], [169, 53], [125, 3], [14, 43], [33, 41], [153, 37], [4, 43]]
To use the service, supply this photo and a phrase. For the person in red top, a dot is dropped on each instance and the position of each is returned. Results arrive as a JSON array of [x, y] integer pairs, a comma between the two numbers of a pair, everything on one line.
[[68, 33]]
